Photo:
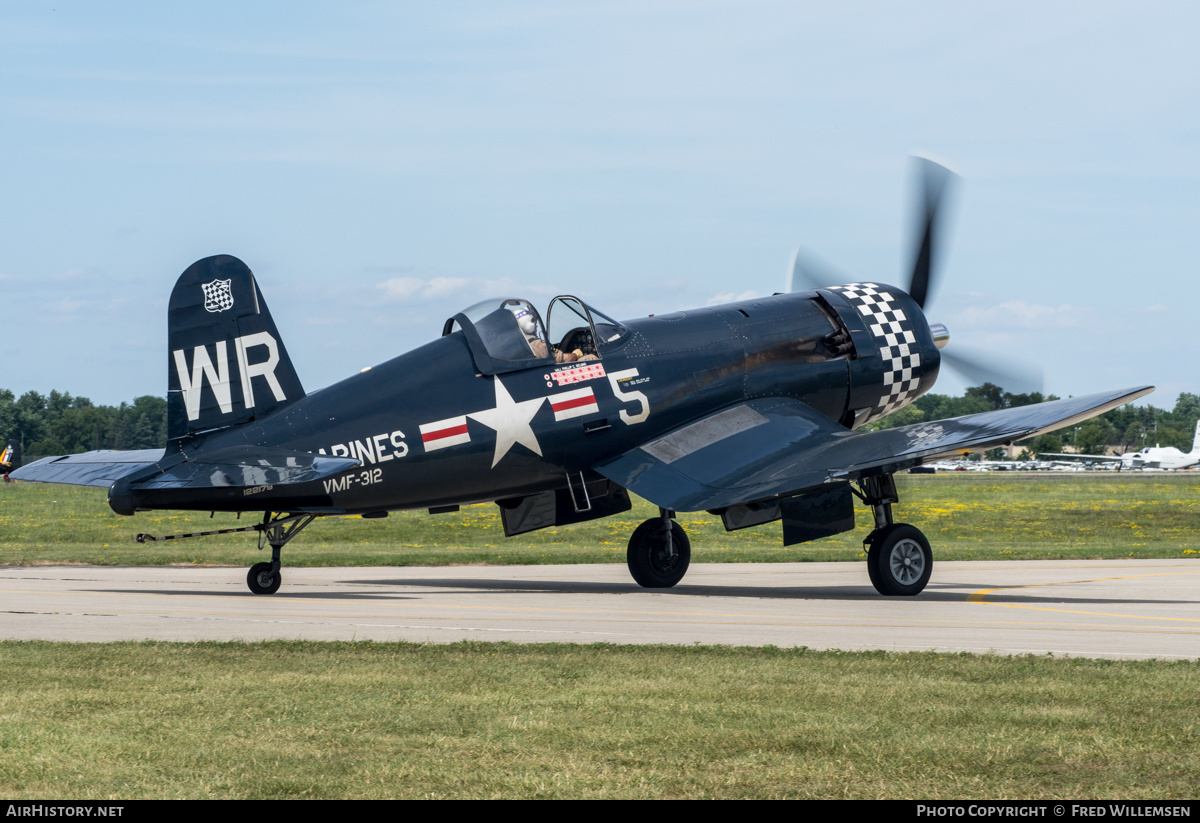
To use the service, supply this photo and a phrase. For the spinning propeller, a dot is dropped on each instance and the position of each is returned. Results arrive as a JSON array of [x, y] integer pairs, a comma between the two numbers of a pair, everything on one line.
[[807, 272]]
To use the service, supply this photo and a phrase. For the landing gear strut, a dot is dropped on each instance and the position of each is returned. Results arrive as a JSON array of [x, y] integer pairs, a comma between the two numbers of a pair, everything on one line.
[[659, 552], [276, 530], [899, 560]]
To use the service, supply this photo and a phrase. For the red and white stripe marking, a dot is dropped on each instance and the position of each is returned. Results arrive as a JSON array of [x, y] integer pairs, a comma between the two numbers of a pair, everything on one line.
[[442, 433], [576, 403]]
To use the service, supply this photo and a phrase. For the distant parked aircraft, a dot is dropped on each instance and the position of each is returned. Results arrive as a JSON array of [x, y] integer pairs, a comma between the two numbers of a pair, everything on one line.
[[1151, 457]]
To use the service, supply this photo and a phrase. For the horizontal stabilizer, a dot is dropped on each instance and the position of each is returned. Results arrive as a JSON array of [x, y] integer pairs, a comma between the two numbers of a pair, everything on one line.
[[238, 466], [775, 447], [98, 468], [247, 466]]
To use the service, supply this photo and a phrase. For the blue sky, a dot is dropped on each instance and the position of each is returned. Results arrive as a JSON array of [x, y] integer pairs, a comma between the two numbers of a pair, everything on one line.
[[382, 165]]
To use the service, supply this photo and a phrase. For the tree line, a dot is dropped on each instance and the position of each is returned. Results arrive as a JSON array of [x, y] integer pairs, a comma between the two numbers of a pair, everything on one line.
[[61, 424]]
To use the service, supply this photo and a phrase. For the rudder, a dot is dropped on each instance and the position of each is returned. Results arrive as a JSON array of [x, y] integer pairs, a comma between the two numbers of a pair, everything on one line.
[[226, 363]]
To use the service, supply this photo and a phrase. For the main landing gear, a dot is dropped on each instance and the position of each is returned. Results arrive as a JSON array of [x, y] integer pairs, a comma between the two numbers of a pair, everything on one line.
[[899, 560], [659, 552], [276, 530]]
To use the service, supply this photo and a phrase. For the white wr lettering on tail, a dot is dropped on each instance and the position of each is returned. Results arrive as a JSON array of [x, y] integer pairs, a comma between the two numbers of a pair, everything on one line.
[[191, 380]]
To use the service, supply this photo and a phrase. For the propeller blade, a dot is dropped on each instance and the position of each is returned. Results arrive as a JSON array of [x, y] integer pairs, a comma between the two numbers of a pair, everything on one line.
[[934, 181], [979, 367], [809, 272]]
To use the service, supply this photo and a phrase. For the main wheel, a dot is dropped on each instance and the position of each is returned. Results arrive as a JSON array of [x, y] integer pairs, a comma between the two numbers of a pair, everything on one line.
[[263, 579], [899, 560], [651, 563]]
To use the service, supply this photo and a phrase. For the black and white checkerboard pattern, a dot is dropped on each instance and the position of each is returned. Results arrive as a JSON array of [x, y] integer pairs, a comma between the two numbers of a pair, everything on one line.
[[893, 332], [217, 295]]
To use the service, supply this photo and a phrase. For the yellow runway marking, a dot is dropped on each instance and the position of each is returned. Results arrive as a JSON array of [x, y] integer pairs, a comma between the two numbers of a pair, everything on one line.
[[980, 595]]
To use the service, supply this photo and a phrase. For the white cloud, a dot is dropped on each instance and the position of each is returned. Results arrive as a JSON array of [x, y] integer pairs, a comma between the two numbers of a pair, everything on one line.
[[468, 289], [398, 287], [446, 286]]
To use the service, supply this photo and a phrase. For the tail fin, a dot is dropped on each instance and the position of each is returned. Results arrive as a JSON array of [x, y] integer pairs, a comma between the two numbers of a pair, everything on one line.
[[227, 364], [1196, 439]]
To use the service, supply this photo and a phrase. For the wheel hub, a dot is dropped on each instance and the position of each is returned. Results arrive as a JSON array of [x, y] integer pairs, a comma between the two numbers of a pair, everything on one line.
[[663, 558], [907, 562]]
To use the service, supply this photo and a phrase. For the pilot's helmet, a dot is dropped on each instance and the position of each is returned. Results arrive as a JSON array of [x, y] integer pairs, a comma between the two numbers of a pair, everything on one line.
[[525, 320]]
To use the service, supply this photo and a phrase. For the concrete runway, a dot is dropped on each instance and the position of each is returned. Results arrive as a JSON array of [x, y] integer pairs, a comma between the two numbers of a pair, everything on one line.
[[1097, 608]]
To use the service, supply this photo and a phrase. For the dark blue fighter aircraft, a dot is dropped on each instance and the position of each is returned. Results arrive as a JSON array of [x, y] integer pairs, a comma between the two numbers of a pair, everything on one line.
[[747, 410]]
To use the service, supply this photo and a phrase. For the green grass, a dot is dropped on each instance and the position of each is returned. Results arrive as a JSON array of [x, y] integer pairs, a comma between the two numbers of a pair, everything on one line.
[[966, 518], [295, 720], [476, 720]]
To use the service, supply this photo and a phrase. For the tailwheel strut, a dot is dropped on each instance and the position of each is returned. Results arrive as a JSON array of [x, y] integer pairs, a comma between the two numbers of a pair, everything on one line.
[[275, 530]]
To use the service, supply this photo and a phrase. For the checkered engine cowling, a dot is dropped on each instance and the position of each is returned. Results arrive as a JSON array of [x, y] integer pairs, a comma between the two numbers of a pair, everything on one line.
[[895, 333]]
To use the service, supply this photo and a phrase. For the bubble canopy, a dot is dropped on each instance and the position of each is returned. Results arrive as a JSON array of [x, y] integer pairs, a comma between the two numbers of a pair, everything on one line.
[[508, 334]]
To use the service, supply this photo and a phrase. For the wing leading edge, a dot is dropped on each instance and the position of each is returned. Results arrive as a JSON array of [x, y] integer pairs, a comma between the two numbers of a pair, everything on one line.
[[773, 447]]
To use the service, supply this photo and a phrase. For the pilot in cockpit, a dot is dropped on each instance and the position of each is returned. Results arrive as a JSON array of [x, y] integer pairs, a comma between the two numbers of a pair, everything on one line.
[[537, 344], [529, 327]]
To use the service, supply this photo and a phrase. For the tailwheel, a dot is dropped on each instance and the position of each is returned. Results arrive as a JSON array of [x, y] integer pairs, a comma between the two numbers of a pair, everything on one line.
[[659, 553], [899, 560], [264, 578], [275, 530]]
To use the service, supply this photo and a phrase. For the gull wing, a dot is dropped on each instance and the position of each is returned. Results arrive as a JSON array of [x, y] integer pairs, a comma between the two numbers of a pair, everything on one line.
[[773, 447]]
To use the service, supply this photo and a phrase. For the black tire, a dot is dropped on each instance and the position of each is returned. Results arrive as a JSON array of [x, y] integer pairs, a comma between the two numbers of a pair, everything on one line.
[[871, 573], [899, 560], [650, 563], [262, 580]]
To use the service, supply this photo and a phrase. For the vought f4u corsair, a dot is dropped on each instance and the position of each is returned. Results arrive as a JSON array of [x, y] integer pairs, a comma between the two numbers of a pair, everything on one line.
[[748, 410]]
